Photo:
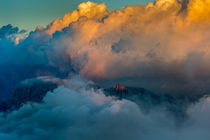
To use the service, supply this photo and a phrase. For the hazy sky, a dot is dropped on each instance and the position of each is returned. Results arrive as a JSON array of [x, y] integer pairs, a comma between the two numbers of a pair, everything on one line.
[[27, 14]]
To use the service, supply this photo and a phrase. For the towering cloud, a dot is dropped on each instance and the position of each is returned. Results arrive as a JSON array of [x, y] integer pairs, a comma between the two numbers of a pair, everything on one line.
[[162, 46]]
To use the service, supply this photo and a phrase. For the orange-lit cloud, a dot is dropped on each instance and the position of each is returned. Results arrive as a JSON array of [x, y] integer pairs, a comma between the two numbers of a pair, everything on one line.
[[199, 10], [167, 38], [88, 9]]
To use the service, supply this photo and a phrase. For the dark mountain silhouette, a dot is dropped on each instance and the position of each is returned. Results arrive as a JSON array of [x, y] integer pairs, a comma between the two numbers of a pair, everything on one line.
[[145, 99], [27, 93]]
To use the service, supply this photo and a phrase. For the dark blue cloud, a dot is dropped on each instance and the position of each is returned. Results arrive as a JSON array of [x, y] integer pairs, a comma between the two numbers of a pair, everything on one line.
[[8, 30], [23, 60]]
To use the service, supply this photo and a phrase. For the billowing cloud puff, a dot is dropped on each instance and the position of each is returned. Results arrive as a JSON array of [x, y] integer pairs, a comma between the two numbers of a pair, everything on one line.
[[9, 30], [79, 112], [8, 38], [162, 46], [87, 9], [198, 10]]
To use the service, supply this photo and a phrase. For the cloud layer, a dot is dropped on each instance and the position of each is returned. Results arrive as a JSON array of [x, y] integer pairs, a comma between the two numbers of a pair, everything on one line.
[[79, 112]]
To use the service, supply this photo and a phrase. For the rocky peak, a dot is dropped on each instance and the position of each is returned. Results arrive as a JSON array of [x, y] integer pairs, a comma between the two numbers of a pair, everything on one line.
[[119, 87]]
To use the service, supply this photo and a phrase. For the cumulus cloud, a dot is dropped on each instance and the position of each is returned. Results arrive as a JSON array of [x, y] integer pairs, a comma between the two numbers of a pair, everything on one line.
[[9, 30], [79, 112], [9, 36], [162, 46]]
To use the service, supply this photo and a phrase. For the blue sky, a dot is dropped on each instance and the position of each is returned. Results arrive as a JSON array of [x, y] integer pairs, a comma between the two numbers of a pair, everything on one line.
[[27, 14]]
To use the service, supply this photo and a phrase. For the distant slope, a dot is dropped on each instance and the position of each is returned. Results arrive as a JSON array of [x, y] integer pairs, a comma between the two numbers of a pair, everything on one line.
[[27, 93], [145, 99]]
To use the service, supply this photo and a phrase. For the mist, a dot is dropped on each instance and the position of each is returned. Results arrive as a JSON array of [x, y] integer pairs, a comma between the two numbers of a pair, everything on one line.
[[78, 112]]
